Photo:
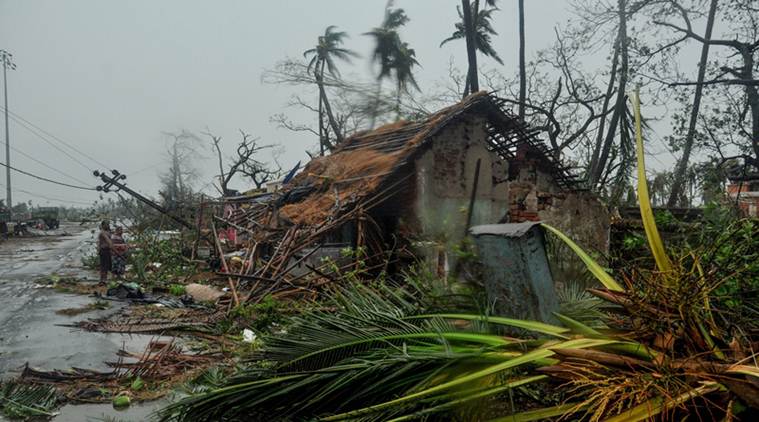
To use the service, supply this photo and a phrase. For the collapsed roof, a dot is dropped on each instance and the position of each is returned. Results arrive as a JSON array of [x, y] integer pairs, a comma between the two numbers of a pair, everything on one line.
[[362, 164]]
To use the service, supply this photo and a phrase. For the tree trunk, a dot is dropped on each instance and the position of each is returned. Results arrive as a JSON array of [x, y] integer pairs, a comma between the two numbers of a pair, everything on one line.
[[322, 137], [682, 165], [177, 176], [223, 181], [619, 106], [752, 94], [604, 110], [753, 99], [471, 49], [522, 69], [328, 109], [398, 102], [466, 84]]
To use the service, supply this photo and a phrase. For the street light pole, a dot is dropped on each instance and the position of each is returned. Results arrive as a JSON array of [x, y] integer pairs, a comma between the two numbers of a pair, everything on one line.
[[6, 58]]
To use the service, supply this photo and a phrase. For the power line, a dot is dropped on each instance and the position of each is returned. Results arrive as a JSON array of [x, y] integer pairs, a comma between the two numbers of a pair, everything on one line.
[[52, 199], [35, 133], [46, 179], [48, 166], [49, 198], [146, 168], [73, 148]]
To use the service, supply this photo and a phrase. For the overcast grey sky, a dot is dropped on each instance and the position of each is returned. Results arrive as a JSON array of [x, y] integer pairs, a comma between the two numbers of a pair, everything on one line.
[[110, 76]]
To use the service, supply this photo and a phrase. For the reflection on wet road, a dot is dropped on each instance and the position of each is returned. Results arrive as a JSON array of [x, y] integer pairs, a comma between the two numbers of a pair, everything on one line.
[[29, 330]]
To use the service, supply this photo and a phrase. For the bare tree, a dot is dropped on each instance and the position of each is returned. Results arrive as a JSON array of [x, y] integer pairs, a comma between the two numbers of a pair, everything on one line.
[[244, 162], [679, 177], [567, 108], [737, 69], [602, 149]]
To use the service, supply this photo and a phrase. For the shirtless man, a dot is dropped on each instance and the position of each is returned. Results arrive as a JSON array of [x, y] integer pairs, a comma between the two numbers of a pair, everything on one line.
[[105, 245]]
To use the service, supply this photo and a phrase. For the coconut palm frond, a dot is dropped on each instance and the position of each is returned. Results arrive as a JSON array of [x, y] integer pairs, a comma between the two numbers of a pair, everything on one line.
[[209, 379], [366, 353], [577, 303], [482, 34], [327, 47], [20, 401]]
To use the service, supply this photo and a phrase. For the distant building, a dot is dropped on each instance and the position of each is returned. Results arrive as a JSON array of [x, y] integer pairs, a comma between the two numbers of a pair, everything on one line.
[[744, 190]]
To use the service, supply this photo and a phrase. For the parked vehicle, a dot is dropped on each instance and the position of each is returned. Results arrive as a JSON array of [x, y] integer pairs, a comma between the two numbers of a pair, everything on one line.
[[49, 215]]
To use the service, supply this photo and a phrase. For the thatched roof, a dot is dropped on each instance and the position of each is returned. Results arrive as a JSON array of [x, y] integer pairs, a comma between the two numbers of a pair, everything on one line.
[[360, 164]]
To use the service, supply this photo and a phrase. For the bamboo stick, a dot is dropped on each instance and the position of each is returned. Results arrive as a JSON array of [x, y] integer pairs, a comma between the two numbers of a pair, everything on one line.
[[224, 263]]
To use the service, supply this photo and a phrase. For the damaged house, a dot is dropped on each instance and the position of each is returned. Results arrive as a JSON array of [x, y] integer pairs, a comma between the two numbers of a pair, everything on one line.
[[423, 184]]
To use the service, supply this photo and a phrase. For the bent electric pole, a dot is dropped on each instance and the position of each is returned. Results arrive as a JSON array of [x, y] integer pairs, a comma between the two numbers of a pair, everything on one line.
[[7, 63]]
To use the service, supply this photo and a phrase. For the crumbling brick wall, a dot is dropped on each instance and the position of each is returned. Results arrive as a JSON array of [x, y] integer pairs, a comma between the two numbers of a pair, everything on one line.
[[517, 190], [535, 196]]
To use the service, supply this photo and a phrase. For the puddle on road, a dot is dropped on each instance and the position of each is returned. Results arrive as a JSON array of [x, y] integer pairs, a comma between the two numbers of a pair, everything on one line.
[[97, 412], [105, 412]]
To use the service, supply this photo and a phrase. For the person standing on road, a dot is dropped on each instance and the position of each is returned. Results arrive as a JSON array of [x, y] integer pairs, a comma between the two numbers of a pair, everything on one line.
[[119, 252], [105, 245]]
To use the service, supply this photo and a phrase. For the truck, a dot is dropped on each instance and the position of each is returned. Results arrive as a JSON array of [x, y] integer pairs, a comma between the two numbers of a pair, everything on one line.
[[49, 215]]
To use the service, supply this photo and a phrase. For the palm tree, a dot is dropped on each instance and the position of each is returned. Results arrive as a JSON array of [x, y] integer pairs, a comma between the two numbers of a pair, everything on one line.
[[323, 55], [480, 38], [391, 53], [403, 64]]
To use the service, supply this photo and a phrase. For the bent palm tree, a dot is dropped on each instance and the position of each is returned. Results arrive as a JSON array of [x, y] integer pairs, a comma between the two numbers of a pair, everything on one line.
[[390, 52], [403, 64], [326, 50]]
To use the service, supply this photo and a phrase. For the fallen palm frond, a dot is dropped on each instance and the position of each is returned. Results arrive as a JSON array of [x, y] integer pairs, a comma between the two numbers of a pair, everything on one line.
[[148, 319], [161, 365], [18, 401]]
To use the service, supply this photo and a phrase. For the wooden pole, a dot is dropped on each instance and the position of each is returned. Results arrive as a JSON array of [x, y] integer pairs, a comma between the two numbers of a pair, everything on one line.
[[224, 264], [470, 210]]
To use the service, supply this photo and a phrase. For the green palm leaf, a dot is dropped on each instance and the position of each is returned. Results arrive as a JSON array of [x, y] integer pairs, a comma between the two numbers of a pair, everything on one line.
[[646, 213], [595, 269], [542, 414], [527, 358], [536, 326]]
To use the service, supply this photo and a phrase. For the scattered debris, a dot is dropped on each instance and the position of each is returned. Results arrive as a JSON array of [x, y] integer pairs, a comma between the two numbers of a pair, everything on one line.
[[151, 319], [148, 375], [20, 401], [248, 336], [97, 305], [126, 291], [203, 293]]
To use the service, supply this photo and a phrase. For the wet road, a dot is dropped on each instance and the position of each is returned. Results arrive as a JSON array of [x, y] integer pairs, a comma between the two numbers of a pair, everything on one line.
[[28, 322], [28, 331]]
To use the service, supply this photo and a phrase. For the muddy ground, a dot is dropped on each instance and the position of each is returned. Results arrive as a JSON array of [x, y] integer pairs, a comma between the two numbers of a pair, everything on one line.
[[29, 324]]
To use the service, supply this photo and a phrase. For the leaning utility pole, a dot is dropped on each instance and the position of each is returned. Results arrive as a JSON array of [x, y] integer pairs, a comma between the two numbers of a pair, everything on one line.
[[7, 63]]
